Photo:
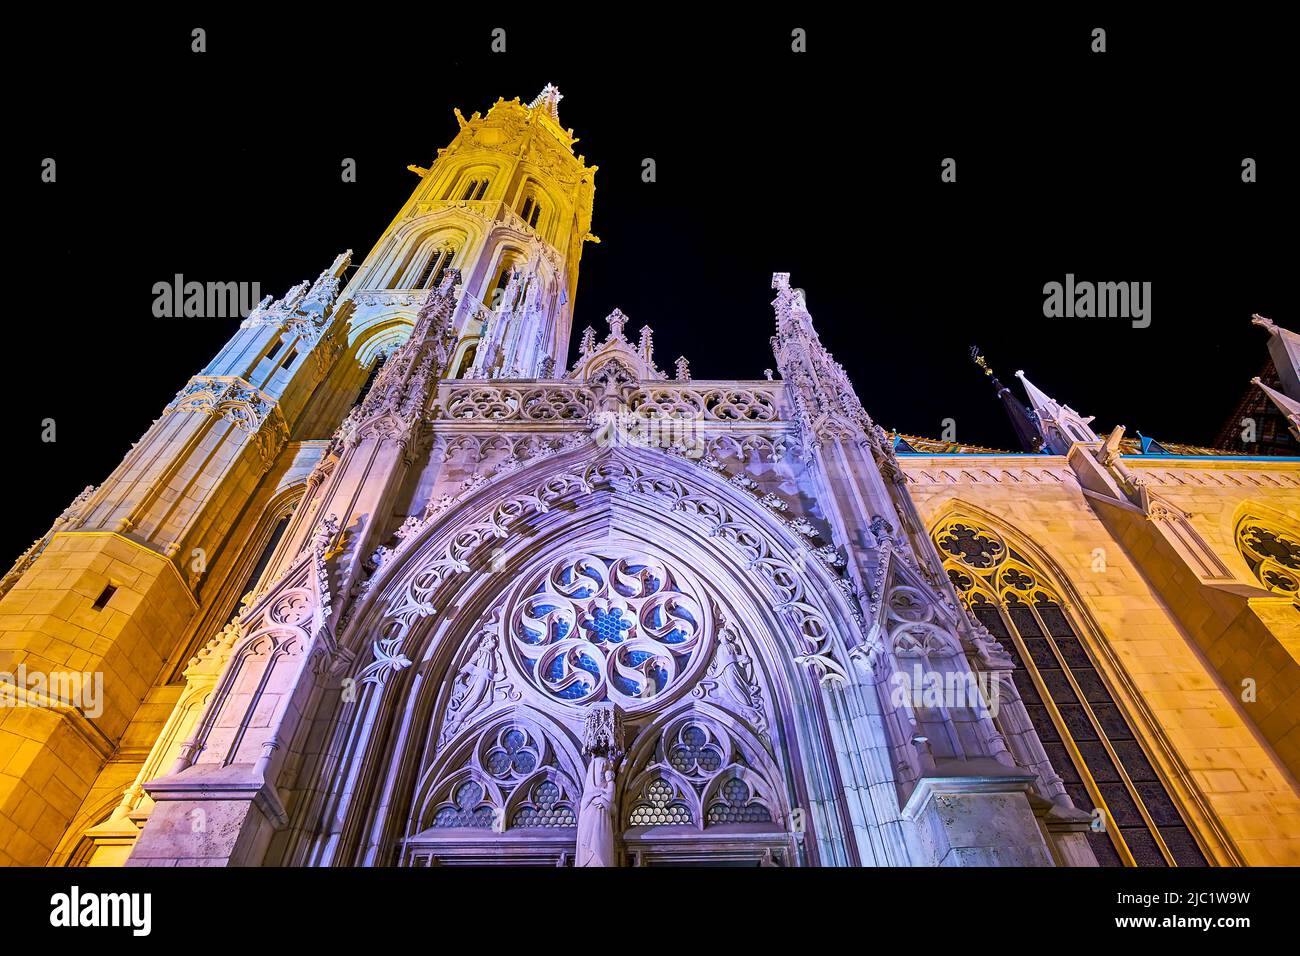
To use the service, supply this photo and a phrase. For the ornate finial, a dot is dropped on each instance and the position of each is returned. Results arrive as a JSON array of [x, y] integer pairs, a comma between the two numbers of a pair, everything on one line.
[[683, 369], [616, 320], [979, 360], [603, 731], [588, 343], [549, 101], [645, 344], [767, 374]]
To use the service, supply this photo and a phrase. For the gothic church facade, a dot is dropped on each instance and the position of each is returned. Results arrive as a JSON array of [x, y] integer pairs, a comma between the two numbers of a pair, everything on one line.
[[391, 583]]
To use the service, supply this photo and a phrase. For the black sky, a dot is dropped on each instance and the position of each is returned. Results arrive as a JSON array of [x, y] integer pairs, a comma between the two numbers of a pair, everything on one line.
[[225, 166]]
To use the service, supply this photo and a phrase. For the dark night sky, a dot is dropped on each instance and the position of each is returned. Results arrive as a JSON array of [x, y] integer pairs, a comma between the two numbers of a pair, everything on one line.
[[1124, 166]]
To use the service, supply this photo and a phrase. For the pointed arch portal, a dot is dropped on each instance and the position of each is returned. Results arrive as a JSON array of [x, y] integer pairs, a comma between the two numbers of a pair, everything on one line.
[[496, 628]]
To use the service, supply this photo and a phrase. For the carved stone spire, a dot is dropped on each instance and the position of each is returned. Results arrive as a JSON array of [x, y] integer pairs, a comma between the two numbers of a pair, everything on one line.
[[825, 403], [646, 346], [683, 369], [1060, 425], [1026, 430]]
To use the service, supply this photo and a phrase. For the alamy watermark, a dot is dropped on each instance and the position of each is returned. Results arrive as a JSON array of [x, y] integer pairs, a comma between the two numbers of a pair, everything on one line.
[[654, 430], [922, 688], [179, 299], [1075, 299], [83, 690]]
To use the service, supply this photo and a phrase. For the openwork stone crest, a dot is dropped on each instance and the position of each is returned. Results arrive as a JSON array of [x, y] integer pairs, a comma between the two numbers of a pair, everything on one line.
[[1273, 553], [623, 628]]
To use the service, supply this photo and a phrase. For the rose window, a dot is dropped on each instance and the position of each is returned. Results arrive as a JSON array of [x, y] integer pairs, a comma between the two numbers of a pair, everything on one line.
[[592, 627]]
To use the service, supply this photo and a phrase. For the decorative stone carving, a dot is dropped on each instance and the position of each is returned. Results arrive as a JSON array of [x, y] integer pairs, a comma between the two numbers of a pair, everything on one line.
[[595, 627]]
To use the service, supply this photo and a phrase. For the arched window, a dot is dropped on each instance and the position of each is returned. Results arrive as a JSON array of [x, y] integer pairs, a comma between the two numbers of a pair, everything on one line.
[[375, 368], [438, 262], [467, 361], [473, 189], [531, 211], [1090, 741], [263, 559]]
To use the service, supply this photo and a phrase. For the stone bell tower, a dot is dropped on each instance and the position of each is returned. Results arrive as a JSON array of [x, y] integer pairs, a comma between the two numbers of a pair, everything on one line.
[[508, 204]]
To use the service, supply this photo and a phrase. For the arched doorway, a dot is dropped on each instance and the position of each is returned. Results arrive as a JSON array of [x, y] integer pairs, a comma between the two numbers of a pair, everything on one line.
[[699, 773], [578, 584]]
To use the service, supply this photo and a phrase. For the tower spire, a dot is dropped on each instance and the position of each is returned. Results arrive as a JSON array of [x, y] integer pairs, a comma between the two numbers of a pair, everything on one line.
[[1059, 425], [1026, 431]]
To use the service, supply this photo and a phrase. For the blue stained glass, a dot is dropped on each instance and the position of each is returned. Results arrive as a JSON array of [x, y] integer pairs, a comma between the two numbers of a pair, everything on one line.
[[628, 688], [609, 625]]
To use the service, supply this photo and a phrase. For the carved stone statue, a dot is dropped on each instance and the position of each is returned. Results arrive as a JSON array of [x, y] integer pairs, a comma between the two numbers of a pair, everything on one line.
[[603, 740], [596, 815]]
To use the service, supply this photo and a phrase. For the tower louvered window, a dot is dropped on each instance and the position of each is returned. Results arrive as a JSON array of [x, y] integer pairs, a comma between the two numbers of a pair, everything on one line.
[[475, 189], [438, 262], [1087, 736]]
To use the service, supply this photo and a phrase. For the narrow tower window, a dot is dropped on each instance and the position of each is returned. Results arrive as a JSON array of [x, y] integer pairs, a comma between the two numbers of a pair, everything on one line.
[[482, 188], [263, 559], [470, 189], [105, 596], [528, 207], [433, 268], [537, 212], [375, 368]]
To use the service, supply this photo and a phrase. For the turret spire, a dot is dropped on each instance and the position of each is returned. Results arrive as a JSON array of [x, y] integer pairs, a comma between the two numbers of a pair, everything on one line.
[[1030, 438], [1060, 425]]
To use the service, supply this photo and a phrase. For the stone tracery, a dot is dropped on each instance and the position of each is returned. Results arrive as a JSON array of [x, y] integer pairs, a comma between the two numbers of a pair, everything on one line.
[[620, 628]]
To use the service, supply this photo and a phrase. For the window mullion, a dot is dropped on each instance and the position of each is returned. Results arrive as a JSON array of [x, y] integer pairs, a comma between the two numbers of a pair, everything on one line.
[[1101, 733], [1067, 738]]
